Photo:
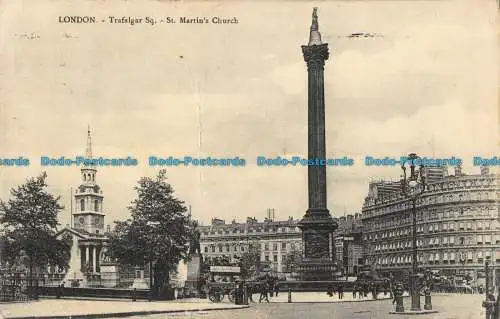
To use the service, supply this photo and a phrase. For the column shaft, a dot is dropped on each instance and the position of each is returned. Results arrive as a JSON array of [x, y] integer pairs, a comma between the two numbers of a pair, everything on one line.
[[94, 259]]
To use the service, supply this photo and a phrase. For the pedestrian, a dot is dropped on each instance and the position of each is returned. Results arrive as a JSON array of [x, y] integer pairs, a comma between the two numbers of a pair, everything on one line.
[[263, 292], [341, 292], [374, 291], [276, 288], [250, 289], [354, 291]]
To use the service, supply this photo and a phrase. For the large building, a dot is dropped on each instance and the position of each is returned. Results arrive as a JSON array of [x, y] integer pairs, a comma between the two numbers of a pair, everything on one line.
[[457, 225], [349, 252], [275, 241]]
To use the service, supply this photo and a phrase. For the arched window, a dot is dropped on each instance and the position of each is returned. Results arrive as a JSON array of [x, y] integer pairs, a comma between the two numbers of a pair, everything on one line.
[[82, 204], [96, 205], [84, 177]]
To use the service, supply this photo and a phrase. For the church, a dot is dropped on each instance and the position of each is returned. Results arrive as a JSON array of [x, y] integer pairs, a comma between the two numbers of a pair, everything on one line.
[[87, 230]]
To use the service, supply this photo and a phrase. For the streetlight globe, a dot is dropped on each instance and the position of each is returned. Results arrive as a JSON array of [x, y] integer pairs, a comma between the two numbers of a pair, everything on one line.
[[413, 183]]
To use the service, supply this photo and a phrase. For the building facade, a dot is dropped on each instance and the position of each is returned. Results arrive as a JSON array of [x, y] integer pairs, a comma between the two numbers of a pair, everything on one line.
[[457, 225], [275, 241], [349, 253]]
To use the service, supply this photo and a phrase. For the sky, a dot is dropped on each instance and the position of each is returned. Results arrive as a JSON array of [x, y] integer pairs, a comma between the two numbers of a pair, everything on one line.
[[427, 82]]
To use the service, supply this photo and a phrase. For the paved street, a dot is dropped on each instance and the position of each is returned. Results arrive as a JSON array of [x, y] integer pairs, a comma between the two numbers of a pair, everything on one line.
[[70, 308], [449, 306]]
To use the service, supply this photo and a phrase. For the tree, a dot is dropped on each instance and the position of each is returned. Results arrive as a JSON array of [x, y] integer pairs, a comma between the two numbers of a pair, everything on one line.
[[29, 220], [250, 264], [156, 234], [292, 259]]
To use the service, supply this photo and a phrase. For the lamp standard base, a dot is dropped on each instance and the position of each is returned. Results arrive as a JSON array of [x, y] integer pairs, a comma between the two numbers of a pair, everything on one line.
[[415, 302]]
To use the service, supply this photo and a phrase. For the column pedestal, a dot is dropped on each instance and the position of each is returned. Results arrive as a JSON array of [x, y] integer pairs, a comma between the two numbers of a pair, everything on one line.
[[318, 263]]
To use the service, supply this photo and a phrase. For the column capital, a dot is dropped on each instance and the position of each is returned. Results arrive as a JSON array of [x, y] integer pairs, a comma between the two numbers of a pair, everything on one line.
[[317, 53]]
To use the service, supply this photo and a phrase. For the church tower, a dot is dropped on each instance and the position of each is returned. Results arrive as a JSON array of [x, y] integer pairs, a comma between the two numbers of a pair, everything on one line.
[[88, 214]]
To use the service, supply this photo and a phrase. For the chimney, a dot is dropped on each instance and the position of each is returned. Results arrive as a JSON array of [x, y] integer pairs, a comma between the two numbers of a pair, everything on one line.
[[485, 170]]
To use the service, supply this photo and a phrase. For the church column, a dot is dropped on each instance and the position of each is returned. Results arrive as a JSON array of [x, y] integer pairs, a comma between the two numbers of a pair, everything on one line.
[[82, 257], [87, 252], [94, 258]]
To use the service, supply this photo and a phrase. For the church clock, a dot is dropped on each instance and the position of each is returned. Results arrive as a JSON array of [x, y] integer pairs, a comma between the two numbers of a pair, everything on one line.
[[81, 220]]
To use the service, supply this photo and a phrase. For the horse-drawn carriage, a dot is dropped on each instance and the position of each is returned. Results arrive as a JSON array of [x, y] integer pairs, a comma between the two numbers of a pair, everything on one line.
[[222, 282], [218, 290]]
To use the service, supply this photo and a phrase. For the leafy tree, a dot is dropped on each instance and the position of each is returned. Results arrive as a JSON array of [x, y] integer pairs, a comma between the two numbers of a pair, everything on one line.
[[157, 232], [250, 263], [29, 220], [292, 259]]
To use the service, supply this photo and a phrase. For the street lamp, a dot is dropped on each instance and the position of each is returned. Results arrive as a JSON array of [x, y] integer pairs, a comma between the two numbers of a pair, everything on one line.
[[150, 225], [412, 190]]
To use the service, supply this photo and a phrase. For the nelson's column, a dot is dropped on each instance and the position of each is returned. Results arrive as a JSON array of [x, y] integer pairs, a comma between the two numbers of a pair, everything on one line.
[[317, 224]]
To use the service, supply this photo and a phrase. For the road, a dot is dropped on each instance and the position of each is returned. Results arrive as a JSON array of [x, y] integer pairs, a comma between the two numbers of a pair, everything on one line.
[[451, 306]]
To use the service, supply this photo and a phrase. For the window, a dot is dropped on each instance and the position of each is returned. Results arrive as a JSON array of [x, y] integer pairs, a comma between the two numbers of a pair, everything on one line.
[[82, 204], [206, 249], [479, 239], [469, 256], [266, 246], [275, 258], [283, 246], [220, 248], [275, 246], [266, 258], [96, 205]]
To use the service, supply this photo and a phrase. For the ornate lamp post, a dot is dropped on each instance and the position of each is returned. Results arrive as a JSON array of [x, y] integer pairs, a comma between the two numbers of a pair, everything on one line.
[[413, 187]]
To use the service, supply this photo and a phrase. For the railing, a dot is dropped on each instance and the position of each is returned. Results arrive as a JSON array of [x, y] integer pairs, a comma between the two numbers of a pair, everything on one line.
[[94, 292], [18, 289]]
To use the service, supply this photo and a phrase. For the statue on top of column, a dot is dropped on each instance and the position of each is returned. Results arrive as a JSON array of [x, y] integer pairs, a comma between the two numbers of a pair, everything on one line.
[[314, 24], [314, 35]]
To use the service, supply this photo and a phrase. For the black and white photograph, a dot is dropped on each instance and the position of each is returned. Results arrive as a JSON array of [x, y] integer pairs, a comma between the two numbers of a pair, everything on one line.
[[250, 159]]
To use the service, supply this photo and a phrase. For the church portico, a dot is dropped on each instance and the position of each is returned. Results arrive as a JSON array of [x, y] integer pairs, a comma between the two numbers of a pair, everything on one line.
[[91, 256]]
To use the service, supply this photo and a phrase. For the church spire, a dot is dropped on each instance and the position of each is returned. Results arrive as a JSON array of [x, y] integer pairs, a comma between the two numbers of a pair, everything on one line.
[[314, 35], [88, 150]]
